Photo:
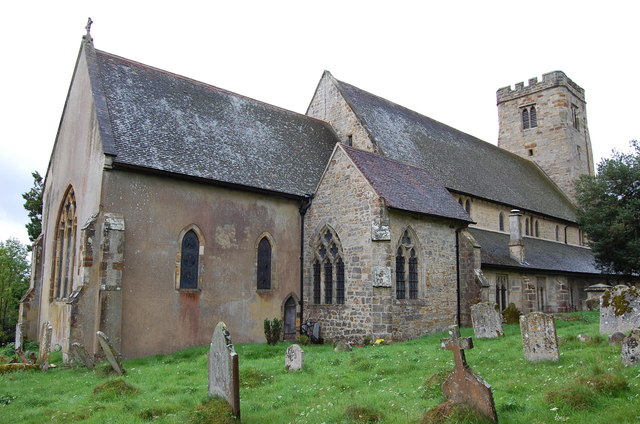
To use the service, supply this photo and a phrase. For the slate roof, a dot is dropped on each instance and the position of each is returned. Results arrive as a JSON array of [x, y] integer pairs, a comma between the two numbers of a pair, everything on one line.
[[406, 187], [462, 162], [169, 123], [542, 255]]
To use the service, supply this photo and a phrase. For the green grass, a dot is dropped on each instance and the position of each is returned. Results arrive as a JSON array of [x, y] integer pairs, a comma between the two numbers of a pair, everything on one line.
[[394, 383]]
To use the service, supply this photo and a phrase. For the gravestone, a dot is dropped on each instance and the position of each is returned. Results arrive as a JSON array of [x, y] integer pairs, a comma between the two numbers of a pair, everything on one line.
[[342, 346], [630, 349], [45, 346], [487, 320], [539, 340], [110, 353], [18, 340], [224, 376], [583, 338], [463, 386], [619, 309], [80, 355], [294, 358], [616, 338]]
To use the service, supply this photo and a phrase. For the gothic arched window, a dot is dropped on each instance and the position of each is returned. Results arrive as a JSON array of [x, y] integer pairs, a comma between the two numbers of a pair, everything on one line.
[[526, 226], [467, 206], [328, 269], [65, 248], [264, 264], [525, 119], [533, 117], [406, 268], [189, 260]]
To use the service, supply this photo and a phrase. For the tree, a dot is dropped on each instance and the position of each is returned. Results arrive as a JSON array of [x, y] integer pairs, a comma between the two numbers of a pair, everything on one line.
[[33, 205], [609, 211], [14, 281]]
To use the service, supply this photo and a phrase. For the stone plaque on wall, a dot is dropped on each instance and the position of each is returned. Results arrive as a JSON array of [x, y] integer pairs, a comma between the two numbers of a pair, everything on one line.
[[381, 276], [380, 232]]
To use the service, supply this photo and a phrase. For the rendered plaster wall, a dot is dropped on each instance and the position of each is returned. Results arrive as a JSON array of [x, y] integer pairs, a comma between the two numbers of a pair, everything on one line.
[[77, 161], [160, 318]]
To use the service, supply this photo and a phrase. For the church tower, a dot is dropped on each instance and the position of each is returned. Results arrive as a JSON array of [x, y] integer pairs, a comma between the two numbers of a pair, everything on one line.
[[546, 122]]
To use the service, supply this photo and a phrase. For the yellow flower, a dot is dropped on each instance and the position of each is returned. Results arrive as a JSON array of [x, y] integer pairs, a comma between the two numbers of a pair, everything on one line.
[[379, 341]]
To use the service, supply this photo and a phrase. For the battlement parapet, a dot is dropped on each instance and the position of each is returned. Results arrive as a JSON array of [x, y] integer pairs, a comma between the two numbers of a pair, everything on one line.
[[550, 79]]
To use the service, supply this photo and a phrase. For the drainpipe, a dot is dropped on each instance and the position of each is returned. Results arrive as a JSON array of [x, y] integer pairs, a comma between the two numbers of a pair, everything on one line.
[[304, 206], [458, 274]]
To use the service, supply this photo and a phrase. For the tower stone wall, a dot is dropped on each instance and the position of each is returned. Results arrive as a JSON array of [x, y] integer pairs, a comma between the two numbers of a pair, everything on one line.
[[546, 121]]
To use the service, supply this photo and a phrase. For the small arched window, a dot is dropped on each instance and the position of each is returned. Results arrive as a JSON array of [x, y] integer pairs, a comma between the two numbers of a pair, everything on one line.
[[65, 248], [467, 206], [526, 226], [406, 268], [525, 119], [533, 117], [189, 260], [557, 233], [537, 229], [501, 221], [264, 264]]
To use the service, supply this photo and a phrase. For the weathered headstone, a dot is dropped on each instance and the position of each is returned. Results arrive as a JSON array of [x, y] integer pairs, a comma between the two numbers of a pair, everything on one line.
[[294, 358], [342, 346], [487, 320], [463, 386], [315, 333], [630, 349], [619, 309], [539, 339], [80, 355], [224, 376], [110, 353], [616, 338], [584, 338], [18, 339], [45, 346]]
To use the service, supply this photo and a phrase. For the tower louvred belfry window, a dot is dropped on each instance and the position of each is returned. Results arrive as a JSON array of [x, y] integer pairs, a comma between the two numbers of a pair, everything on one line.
[[328, 270]]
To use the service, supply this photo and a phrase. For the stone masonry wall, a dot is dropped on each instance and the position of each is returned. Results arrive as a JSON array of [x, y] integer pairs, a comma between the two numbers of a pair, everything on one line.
[[329, 105], [345, 202], [556, 145]]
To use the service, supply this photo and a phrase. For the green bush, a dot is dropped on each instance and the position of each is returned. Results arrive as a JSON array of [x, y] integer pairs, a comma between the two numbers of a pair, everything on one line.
[[272, 330], [511, 314]]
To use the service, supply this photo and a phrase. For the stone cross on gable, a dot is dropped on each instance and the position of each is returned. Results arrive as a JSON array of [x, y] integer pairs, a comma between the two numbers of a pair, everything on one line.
[[458, 345], [88, 27]]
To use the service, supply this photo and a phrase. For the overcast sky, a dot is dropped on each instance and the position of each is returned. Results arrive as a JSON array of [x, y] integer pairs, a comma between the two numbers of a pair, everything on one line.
[[445, 61]]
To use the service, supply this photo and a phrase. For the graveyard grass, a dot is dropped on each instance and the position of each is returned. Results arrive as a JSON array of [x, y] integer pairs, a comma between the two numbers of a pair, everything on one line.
[[395, 383]]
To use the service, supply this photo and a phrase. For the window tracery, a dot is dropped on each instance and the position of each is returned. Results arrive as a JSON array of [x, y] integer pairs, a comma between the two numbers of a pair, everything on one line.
[[328, 270], [65, 242], [406, 268]]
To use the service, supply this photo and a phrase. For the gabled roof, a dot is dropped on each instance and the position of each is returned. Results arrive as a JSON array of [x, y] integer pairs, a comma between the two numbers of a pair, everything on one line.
[[461, 162], [406, 187], [539, 254], [165, 122]]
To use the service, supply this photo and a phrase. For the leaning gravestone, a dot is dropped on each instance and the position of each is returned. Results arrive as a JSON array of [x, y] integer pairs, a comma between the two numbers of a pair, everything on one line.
[[294, 358], [630, 349], [463, 386], [487, 320], [619, 309], [224, 376], [45, 346], [110, 353], [80, 355], [539, 339]]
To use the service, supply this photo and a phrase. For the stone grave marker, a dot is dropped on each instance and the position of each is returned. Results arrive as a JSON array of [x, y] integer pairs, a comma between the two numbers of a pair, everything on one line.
[[487, 320], [619, 309], [539, 339], [294, 358], [342, 346], [616, 338], [18, 339], [45, 346], [80, 355], [110, 353], [463, 386], [630, 349], [224, 375], [584, 338]]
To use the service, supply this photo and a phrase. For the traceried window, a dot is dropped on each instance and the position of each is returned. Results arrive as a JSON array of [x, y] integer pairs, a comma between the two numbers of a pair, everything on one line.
[[65, 250], [529, 117], [264, 264], [502, 284], [189, 260], [328, 270], [406, 268]]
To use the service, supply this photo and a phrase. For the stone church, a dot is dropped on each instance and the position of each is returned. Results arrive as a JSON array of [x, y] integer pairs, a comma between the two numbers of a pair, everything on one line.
[[171, 204]]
